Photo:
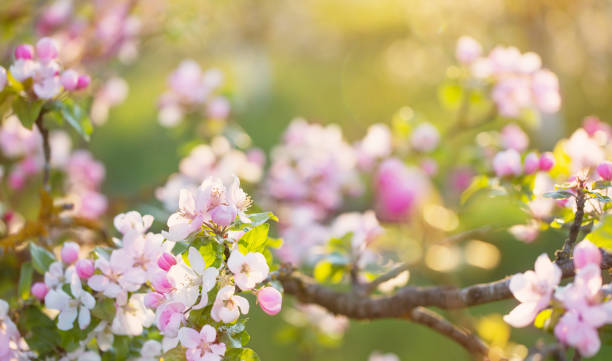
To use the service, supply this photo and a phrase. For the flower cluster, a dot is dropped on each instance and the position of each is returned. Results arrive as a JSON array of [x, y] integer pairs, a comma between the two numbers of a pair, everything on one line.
[[192, 90], [519, 81], [582, 303], [12, 345]]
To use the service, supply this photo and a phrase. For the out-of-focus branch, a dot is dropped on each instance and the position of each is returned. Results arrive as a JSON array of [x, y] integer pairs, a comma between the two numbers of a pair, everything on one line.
[[565, 252], [44, 132], [468, 340]]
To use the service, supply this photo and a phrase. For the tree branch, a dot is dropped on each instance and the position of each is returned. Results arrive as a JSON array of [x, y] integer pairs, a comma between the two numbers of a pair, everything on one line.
[[357, 306], [44, 132], [471, 342]]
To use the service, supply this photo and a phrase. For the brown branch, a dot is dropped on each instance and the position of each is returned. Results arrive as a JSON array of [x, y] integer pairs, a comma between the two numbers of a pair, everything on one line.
[[541, 353], [44, 132], [468, 340], [356, 306]]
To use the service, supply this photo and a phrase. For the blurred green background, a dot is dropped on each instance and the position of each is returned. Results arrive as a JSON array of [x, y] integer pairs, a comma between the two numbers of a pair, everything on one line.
[[353, 62]]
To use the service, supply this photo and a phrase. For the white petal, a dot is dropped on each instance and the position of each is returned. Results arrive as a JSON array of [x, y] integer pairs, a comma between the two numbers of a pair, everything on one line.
[[98, 283], [84, 318], [189, 337], [66, 318], [196, 261], [56, 299], [243, 304], [209, 278], [235, 261]]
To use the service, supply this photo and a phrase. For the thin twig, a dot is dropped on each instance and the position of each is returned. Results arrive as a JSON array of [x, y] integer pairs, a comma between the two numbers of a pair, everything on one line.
[[568, 245], [44, 132], [468, 340]]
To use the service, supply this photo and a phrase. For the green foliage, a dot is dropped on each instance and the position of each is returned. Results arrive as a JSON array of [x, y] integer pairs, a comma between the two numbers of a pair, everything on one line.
[[327, 271], [254, 240], [602, 235], [241, 354], [104, 309], [176, 354], [76, 117], [25, 280], [27, 111], [39, 330], [559, 194], [257, 219], [41, 258], [212, 252], [235, 336]]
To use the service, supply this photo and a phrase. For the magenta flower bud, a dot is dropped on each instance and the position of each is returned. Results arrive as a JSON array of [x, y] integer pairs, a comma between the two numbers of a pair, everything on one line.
[[547, 161], [83, 82], [223, 215], [24, 52], [70, 79], [39, 290], [161, 283], [85, 268], [605, 170], [586, 253], [153, 300], [166, 261], [532, 163], [70, 252], [270, 300], [46, 49]]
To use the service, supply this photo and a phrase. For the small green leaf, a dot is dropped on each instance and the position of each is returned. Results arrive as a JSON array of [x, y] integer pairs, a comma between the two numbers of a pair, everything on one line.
[[40, 331], [41, 258], [104, 309], [601, 184], [27, 111], [75, 116], [25, 280], [257, 219], [602, 235], [241, 354], [212, 252], [478, 183], [180, 248], [254, 240], [559, 194], [326, 271]]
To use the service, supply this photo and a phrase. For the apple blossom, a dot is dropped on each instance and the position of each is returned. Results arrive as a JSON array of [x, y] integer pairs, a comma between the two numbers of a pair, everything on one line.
[[24, 51], [55, 275], [188, 279], [85, 268], [83, 82], [118, 276], [153, 300], [507, 163], [513, 137], [161, 283], [70, 252], [70, 79], [425, 138], [132, 221], [547, 161], [203, 345], [605, 170], [46, 49], [151, 351], [71, 308], [228, 306], [532, 163], [534, 290], [39, 290], [166, 261], [249, 269], [270, 300], [468, 50], [131, 318], [586, 253]]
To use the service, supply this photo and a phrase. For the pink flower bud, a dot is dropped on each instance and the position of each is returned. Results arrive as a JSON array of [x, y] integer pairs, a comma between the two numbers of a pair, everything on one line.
[[161, 283], [547, 161], [70, 252], [218, 108], [39, 290], [507, 163], [85, 268], [586, 253], [84, 81], [46, 49], [69, 79], [468, 50], [532, 163], [270, 300], [153, 299], [166, 261], [605, 170], [223, 215], [24, 52]]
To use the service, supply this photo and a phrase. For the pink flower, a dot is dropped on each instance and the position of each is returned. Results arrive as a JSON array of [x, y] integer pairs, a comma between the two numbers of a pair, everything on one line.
[[46, 49], [154, 300], [270, 300], [85, 268], [533, 290], [84, 171], [605, 170], [118, 276], [572, 330], [83, 82], [70, 252], [132, 221], [70, 79], [586, 253], [202, 346], [188, 279], [468, 50], [166, 261], [39, 290], [223, 215], [507, 163], [91, 204], [547, 161], [161, 283], [249, 269], [513, 137], [24, 51], [170, 317], [425, 138], [218, 108], [532, 163], [228, 306]]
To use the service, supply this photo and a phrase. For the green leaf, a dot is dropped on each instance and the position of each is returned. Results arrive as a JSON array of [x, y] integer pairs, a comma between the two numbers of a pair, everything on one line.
[[212, 252], [176, 354], [241, 354], [326, 271], [121, 344], [254, 240], [180, 248], [559, 194], [41, 258], [104, 309], [257, 219], [27, 111], [76, 117], [39, 330], [602, 235], [602, 184], [25, 280], [478, 183]]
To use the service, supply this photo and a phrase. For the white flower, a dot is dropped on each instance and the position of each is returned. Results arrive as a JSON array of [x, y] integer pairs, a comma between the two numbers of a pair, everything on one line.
[[151, 351], [132, 317], [71, 308], [55, 275], [227, 306], [118, 276], [187, 280], [249, 269], [103, 335], [132, 222]]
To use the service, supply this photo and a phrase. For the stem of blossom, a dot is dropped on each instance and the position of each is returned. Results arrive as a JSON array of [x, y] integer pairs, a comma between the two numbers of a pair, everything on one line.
[[568, 245], [542, 352], [577, 356], [44, 132], [471, 342]]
